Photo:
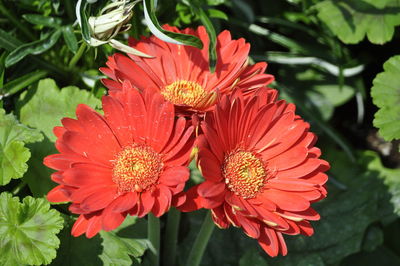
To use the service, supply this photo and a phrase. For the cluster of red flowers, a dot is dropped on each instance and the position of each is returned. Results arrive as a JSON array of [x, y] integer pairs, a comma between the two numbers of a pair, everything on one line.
[[257, 156]]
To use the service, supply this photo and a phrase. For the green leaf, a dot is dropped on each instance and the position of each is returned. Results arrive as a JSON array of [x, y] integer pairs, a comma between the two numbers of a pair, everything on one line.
[[24, 81], [13, 154], [215, 13], [381, 256], [43, 108], [252, 258], [212, 36], [69, 38], [118, 250], [386, 95], [167, 36], [122, 246], [77, 250], [353, 19], [43, 20], [390, 177], [34, 48], [28, 231]]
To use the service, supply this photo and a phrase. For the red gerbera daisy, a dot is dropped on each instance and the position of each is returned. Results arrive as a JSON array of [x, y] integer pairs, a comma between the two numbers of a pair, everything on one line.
[[133, 160], [181, 73], [261, 169]]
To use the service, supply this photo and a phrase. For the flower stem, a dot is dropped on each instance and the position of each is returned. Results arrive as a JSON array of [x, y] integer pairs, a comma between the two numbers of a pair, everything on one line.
[[153, 227], [199, 246], [78, 55], [171, 237]]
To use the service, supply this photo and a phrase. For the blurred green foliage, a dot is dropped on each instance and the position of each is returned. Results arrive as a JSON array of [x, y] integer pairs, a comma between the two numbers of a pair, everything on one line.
[[325, 56]]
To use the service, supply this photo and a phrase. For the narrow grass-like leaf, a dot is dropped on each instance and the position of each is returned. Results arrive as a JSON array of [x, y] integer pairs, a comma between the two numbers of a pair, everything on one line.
[[212, 36], [69, 38], [8, 42], [34, 48], [18, 84], [167, 36], [43, 20]]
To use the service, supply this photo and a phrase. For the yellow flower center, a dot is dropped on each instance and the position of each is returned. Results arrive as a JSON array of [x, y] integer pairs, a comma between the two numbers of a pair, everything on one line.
[[244, 173], [184, 92], [136, 168]]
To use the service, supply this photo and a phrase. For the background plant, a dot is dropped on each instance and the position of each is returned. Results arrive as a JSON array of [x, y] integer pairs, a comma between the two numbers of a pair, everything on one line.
[[335, 60]]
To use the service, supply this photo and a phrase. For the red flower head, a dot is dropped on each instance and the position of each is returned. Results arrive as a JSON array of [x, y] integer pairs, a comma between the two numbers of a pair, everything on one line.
[[261, 169], [181, 73], [133, 160]]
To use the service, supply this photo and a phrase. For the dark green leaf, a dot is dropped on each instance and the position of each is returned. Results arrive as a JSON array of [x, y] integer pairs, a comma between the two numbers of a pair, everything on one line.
[[13, 154], [2, 70], [69, 38], [252, 258], [34, 48], [167, 36], [28, 231], [353, 19], [212, 36], [380, 256], [43, 20], [346, 215], [8, 42], [17, 84], [77, 250], [386, 95]]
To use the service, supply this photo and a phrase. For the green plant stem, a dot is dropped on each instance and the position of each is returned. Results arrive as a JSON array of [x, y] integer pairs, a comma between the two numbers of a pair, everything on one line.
[[199, 246], [153, 231], [78, 55], [17, 22], [171, 237]]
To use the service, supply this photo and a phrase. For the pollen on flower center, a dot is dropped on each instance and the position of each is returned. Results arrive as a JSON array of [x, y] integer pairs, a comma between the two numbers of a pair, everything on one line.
[[136, 168], [184, 92], [244, 173]]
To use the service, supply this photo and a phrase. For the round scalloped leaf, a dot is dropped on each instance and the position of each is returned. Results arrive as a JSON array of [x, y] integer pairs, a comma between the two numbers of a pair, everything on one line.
[[13, 153], [351, 20], [46, 114], [28, 231], [386, 95]]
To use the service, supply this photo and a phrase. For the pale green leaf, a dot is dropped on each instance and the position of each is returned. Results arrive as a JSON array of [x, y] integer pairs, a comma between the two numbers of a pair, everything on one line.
[[48, 105], [386, 95], [352, 20], [13, 154], [28, 231]]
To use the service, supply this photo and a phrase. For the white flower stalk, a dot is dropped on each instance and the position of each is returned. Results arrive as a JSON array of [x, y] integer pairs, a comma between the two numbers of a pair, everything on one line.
[[113, 19]]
